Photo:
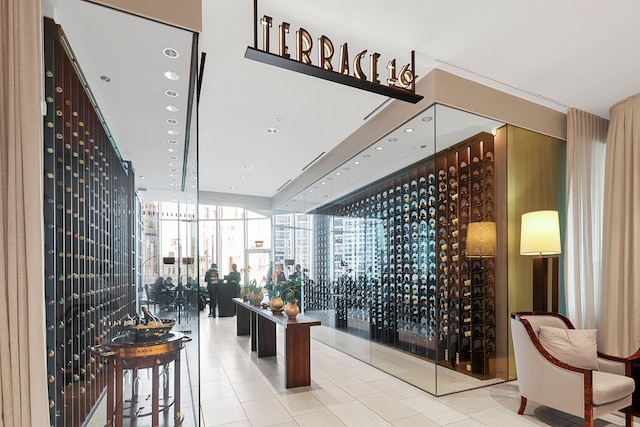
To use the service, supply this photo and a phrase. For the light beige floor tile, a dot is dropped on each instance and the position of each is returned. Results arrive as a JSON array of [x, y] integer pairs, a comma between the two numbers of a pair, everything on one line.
[[330, 394], [431, 408], [266, 412], [242, 375], [386, 406], [355, 414], [300, 403], [415, 421], [323, 418], [222, 411], [397, 388], [252, 390], [244, 423], [216, 390], [355, 386]]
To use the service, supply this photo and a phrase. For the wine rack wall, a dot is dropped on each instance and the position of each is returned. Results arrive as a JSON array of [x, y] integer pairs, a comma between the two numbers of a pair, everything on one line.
[[89, 223], [423, 294]]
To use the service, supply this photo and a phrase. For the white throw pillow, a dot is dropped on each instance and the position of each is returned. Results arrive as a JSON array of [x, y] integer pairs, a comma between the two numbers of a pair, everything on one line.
[[575, 347]]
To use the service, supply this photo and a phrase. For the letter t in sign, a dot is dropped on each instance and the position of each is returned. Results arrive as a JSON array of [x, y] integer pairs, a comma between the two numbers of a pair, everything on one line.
[[266, 24]]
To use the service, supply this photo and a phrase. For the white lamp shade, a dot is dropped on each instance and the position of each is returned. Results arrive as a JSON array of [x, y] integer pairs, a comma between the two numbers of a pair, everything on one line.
[[481, 240], [540, 233]]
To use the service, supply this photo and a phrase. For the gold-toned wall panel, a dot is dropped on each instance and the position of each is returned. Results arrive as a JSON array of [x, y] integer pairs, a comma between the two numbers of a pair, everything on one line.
[[535, 181]]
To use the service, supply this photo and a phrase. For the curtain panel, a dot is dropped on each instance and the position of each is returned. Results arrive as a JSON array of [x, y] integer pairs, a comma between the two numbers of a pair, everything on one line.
[[620, 315], [586, 150], [23, 385]]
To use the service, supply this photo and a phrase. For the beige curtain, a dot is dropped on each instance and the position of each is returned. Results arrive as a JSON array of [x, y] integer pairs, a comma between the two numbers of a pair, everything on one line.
[[586, 151], [23, 385], [620, 318]]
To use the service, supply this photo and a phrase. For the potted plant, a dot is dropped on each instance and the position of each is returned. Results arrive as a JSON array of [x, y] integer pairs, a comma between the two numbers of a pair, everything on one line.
[[292, 309], [253, 293], [276, 304]]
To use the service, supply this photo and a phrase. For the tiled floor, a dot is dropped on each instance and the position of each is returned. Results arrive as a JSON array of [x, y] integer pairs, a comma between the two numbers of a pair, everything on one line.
[[238, 389]]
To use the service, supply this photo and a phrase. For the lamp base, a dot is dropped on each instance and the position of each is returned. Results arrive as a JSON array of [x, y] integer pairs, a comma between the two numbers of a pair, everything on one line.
[[541, 284]]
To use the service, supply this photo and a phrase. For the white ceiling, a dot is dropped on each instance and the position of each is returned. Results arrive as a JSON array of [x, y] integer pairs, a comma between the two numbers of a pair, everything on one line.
[[574, 53]]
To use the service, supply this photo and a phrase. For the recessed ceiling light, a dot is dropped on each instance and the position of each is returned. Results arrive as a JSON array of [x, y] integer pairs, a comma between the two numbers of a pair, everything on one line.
[[427, 118], [172, 141], [105, 79], [171, 93], [393, 139], [172, 164], [279, 119], [170, 53], [141, 177], [172, 108], [172, 121], [173, 158], [242, 176], [173, 150], [379, 148], [366, 156], [171, 175], [408, 130], [338, 173], [171, 75], [345, 169], [272, 130], [356, 162], [173, 170], [173, 194], [248, 167], [172, 132], [323, 183], [232, 188]]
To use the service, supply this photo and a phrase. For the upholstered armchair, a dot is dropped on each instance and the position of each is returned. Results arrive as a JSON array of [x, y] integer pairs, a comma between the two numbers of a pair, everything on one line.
[[600, 385]]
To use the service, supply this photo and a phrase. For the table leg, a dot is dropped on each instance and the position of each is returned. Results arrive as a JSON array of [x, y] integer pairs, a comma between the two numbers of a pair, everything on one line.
[[111, 368], [119, 400], [254, 331], [155, 385], [243, 321], [176, 392], [297, 356], [266, 337]]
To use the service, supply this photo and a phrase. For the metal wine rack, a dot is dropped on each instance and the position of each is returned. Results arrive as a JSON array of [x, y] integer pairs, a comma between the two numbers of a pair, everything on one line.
[[89, 224], [422, 294]]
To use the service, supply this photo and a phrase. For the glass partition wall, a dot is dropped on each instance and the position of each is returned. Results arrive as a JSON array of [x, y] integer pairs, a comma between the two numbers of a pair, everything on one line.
[[390, 274]]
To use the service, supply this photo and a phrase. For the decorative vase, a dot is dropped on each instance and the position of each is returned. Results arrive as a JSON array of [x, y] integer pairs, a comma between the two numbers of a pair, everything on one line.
[[256, 297], [276, 304], [292, 309]]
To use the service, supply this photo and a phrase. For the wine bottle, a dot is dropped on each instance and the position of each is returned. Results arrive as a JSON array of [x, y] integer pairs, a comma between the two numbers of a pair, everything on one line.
[[148, 317]]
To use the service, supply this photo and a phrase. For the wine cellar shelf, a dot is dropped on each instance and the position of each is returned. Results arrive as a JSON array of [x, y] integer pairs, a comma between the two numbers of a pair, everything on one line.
[[405, 272], [90, 207]]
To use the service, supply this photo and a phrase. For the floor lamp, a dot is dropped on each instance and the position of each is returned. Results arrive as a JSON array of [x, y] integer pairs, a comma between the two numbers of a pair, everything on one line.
[[540, 237]]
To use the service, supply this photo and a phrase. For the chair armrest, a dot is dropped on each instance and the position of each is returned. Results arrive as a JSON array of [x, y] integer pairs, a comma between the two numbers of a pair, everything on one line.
[[617, 365]]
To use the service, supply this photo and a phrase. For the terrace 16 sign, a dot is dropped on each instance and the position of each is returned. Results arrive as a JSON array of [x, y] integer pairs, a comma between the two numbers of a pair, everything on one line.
[[400, 80]]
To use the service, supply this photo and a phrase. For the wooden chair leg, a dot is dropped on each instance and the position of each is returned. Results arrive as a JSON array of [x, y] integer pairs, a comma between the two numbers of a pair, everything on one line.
[[628, 419], [588, 417], [523, 404]]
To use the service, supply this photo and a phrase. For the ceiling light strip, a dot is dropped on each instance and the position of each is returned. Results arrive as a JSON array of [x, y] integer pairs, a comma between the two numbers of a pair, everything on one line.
[[314, 160], [190, 102], [283, 185]]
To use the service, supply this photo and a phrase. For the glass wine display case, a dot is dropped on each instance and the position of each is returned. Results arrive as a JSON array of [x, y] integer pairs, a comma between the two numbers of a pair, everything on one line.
[[391, 277]]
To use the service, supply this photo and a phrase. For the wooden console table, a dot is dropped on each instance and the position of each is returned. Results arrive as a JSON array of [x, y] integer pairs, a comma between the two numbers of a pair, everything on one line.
[[261, 323]]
